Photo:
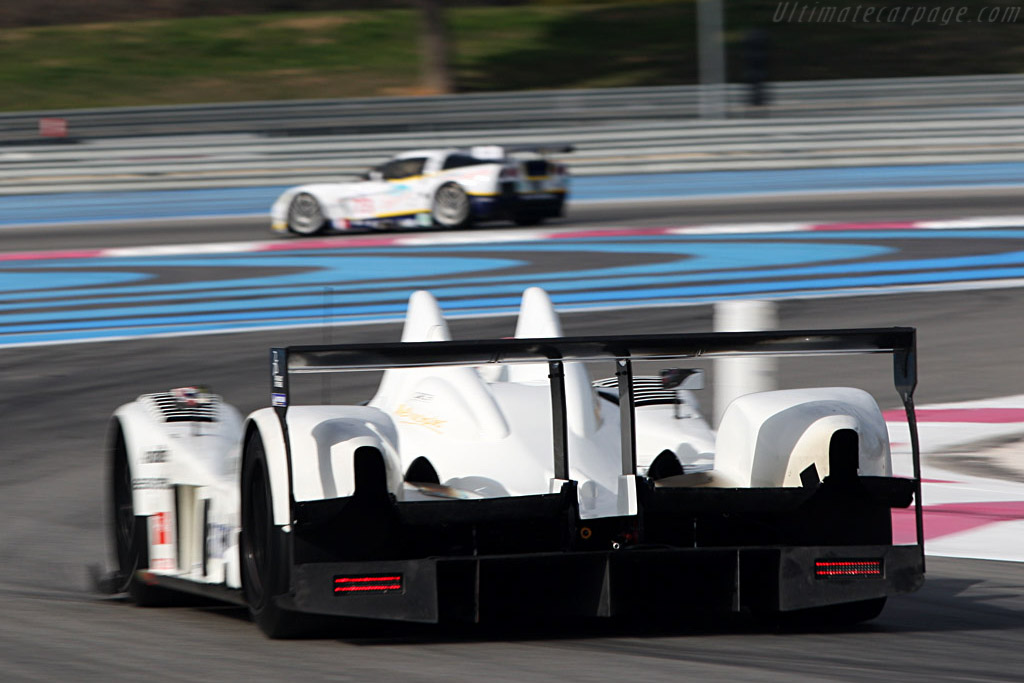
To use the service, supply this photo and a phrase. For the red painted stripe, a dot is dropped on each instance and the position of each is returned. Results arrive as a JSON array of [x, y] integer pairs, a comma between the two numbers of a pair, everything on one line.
[[379, 579], [953, 518], [353, 589], [975, 415]]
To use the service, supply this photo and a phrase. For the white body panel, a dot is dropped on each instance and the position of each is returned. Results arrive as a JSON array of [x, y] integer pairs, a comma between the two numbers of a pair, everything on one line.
[[487, 432], [182, 471], [768, 438]]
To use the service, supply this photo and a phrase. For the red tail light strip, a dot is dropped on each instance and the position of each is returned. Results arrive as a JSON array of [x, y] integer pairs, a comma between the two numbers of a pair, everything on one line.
[[381, 583], [847, 568]]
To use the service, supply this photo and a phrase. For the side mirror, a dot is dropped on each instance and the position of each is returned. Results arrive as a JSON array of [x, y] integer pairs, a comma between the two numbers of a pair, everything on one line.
[[690, 379]]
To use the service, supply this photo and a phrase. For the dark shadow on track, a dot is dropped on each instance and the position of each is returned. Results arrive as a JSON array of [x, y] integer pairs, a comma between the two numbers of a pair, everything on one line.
[[944, 605]]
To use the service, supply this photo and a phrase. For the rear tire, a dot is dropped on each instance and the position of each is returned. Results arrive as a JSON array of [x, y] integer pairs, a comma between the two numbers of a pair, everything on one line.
[[265, 557], [451, 207], [305, 217], [130, 532]]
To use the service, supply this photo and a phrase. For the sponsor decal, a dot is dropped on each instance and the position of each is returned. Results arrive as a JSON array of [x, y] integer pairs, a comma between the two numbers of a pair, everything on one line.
[[147, 483], [53, 127], [361, 206], [276, 370], [279, 400], [407, 415], [155, 456], [159, 532], [218, 539], [191, 397]]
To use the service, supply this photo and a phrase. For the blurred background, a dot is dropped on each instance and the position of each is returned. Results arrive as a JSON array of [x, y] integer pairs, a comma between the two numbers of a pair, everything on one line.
[[73, 53]]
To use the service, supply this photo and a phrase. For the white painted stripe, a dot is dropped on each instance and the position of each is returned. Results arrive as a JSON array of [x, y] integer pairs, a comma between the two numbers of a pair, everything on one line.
[[184, 249], [973, 223], [739, 228], [999, 541]]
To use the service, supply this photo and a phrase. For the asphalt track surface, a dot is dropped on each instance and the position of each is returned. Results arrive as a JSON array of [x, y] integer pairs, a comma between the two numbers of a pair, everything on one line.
[[855, 206], [966, 624]]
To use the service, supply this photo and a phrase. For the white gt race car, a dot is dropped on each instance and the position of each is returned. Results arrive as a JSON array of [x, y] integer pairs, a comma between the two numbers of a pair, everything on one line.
[[493, 479], [449, 188]]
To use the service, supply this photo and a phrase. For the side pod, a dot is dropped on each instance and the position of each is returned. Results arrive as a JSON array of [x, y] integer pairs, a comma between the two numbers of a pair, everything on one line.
[[770, 438]]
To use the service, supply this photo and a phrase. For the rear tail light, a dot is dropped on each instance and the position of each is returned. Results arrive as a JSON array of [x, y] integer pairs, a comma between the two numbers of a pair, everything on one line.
[[367, 584], [844, 569], [510, 172]]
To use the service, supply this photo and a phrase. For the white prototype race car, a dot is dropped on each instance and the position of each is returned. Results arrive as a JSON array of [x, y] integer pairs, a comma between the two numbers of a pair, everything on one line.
[[493, 479], [449, 188]]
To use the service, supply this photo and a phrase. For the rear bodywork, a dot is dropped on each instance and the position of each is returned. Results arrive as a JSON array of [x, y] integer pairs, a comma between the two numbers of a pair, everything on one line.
[[490, 478], [671, 547]]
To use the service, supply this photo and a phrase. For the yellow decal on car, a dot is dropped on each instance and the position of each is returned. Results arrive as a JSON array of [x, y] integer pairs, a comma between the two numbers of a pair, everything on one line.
[[407, 415]]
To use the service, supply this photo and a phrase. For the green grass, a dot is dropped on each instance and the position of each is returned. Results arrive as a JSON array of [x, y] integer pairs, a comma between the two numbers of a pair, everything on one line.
[[545, 44]]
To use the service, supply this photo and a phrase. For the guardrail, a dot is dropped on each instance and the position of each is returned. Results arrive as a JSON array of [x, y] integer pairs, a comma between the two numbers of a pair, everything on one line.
[[614, 131], [517, 109]]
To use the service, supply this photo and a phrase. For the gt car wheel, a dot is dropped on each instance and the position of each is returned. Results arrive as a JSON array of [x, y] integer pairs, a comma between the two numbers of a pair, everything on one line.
[[130, 531], [263, 547], [305, 217], [451, 206]]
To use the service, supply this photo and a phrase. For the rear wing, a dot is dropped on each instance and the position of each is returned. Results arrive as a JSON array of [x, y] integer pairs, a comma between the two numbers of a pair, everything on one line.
[[497, 152], [623, 350]]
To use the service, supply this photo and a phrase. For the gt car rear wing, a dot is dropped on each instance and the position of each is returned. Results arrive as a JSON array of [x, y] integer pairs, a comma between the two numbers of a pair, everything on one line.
[[623, 350], [502, 151]]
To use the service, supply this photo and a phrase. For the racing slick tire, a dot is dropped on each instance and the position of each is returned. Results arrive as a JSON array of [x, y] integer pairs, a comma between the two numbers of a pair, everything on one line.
[[264, 549], [451, 207], [305, 217], [130, 531]]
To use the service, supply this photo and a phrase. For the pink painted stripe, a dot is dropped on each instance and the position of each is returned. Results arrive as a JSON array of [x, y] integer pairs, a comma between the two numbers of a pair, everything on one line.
[[953, 518], [61, 254], [971, 415]]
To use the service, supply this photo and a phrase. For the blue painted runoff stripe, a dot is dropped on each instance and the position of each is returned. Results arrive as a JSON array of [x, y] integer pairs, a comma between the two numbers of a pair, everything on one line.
[[74, 207]]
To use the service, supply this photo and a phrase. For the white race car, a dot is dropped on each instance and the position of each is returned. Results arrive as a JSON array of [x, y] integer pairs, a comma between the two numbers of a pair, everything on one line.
[[491, 478], [449, 188]]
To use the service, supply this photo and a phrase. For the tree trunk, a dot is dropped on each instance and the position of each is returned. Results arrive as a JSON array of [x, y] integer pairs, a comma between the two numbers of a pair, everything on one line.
[[437, 76]]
